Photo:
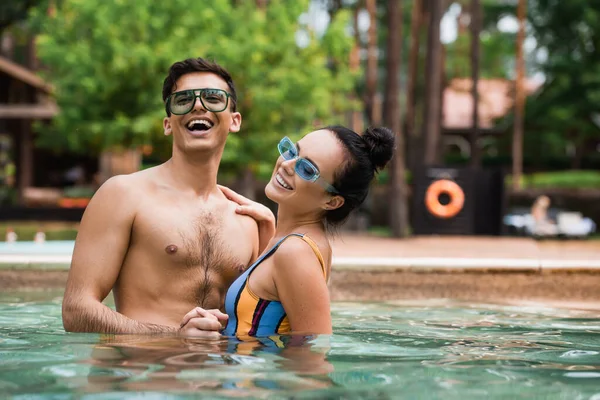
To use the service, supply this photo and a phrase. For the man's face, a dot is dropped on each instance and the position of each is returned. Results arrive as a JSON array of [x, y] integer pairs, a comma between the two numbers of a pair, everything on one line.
[[200, 129]]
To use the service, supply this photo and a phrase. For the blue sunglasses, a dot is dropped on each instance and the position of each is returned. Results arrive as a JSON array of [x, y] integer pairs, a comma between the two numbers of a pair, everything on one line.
[[304, 168]]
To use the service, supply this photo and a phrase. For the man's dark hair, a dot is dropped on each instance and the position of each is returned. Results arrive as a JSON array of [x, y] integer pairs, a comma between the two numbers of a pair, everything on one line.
[[191, 65]]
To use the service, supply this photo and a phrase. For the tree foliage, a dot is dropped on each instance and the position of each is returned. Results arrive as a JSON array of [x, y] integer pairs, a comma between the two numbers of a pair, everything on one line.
[[497, 46], [108, 60], [13, 11], [563, 114], [569, 33]]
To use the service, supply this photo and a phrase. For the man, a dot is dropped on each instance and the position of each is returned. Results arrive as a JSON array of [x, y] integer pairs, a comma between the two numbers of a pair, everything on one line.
[[165, 239]]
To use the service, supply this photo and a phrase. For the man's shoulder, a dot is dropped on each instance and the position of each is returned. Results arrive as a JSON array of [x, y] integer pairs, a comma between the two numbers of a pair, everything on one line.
[[130, 182], [120, 184], [246, 222]]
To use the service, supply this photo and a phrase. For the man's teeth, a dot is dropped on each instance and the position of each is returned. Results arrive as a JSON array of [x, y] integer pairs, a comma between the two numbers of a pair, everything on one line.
[[282, 182], [201, 122]]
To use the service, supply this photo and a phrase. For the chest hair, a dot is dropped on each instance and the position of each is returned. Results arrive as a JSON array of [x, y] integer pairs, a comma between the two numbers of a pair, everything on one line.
[[208, 256]]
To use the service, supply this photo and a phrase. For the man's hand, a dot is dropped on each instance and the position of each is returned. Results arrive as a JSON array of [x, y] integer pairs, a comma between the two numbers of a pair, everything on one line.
[[260, 213], [203, 323]]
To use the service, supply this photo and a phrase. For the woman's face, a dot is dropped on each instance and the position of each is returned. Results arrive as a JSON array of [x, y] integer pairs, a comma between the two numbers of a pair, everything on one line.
[[324, 151]]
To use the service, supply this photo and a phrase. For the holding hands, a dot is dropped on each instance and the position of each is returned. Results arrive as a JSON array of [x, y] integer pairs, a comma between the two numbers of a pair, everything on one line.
[[203, 323]]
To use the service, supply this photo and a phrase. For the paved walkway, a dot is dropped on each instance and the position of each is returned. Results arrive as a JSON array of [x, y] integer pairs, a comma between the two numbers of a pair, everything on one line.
[[356, 251], [369, 268]]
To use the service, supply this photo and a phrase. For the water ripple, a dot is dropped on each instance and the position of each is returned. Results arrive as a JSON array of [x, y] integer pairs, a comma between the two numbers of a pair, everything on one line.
[[430, 350]]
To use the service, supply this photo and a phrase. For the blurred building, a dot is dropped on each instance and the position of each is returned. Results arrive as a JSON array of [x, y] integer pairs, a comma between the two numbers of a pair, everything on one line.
[[496, 99], [36, 182], [25, 98], [33, 178]]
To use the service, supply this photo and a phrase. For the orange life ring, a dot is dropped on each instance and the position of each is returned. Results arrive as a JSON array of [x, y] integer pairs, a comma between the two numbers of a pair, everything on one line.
[[432, 198]]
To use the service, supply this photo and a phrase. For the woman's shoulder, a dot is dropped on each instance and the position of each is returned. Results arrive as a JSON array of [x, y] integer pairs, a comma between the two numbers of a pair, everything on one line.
[[292, 246], [303, 251]]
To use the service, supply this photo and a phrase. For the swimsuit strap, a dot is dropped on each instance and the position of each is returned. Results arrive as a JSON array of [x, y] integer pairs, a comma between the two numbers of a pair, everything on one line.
[[306, 239], [315, 248]]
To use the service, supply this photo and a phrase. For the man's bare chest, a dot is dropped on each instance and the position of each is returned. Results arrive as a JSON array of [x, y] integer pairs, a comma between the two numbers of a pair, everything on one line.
[[210, 240]]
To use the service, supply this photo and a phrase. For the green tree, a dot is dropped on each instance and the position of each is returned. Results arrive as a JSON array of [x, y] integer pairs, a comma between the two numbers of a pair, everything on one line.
[[108, 60], [563, 113], [13, 11], [392, 116], [569, 33], [497, 48]]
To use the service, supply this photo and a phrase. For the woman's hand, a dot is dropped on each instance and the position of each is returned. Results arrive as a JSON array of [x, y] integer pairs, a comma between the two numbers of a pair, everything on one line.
[[260, 213], [203, 323]]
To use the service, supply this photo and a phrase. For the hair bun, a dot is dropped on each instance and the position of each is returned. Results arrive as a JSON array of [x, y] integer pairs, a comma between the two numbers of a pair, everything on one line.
[[380, 142]]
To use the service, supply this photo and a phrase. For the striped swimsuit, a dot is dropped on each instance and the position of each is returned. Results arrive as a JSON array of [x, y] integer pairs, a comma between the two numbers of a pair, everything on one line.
[[249, 315]]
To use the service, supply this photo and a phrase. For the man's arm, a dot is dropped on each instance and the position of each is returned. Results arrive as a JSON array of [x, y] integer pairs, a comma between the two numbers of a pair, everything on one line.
[[100, 248]]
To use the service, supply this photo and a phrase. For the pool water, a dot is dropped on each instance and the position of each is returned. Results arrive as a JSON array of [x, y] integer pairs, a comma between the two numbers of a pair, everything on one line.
[[407, 350], [54, 247]]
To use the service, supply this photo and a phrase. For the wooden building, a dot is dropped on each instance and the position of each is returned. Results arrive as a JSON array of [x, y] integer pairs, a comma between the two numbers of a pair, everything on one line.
[[24, 99]]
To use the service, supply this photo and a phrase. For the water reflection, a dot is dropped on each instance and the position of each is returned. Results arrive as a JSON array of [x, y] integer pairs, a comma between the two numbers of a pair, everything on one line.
[[385, 350], [248, 366]]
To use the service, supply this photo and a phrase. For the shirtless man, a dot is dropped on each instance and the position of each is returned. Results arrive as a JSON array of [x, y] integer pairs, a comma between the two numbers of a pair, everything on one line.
[[165, 239]]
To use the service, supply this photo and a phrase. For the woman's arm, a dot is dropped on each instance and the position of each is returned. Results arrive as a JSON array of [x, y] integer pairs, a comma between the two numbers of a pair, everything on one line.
[[302, 288], [260, 213]]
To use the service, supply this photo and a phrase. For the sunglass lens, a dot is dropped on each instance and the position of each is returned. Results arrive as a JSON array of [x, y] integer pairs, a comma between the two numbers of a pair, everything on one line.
[[214, 99], [306, 170], [182, 102], [287, 149]]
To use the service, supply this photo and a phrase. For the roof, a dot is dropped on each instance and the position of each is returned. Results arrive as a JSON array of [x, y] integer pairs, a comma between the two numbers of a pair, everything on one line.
[[44, 107], [23, 74], [495, 100]]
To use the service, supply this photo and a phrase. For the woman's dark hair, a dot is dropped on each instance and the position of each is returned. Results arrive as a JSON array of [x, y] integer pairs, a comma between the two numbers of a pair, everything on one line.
[[191, 65], [366, 155]]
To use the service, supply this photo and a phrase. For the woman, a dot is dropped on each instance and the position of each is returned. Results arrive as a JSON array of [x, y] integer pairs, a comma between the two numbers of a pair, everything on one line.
[[316, 183]]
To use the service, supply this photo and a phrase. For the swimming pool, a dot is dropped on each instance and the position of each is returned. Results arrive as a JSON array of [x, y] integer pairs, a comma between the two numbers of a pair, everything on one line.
[[379, 350], [53, 247]]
